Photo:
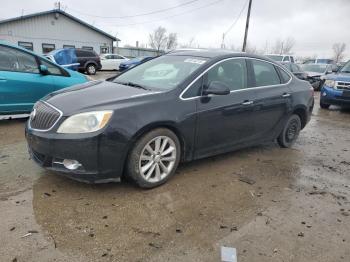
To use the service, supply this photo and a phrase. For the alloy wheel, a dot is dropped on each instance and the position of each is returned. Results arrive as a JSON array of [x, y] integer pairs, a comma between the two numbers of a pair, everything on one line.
[[157, 159]]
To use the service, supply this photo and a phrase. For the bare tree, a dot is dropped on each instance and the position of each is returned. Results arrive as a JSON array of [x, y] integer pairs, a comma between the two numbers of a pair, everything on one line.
[[158, 39], [283, 46], [339, 49], [172, 41]]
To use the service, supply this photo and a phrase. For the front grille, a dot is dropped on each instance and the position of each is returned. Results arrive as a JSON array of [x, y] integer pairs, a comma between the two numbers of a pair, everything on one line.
[[343, 85], [43, 116]]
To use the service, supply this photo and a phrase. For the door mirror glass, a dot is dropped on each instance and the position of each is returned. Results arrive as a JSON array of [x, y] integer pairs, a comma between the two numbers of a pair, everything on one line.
[[44, 70], [217, 88]]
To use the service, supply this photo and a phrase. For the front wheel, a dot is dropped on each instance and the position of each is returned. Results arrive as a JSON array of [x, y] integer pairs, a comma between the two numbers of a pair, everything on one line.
[[323, 105], [290, 132], [154, 158]]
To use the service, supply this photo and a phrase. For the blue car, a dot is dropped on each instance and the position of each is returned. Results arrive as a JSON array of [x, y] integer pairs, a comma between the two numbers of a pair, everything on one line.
[[26, 77], [336, 88], [133, 62]]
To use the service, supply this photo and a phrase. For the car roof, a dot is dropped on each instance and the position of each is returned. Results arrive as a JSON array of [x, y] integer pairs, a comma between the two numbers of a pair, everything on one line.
[[216, 54]]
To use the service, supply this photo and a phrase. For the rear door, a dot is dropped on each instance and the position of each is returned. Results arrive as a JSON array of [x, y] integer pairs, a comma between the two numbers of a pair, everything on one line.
[[273, 97], [21, 83], [225, 121]]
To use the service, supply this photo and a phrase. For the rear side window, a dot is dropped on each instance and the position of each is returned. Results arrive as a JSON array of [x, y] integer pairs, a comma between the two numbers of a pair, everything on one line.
[[286, 59], [265, 73], [17, 61], [85, 53], [284, 76], [232, 73]]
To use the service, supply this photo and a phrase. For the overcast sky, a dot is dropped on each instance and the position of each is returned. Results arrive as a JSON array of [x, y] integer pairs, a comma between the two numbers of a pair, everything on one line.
[[314, 24]]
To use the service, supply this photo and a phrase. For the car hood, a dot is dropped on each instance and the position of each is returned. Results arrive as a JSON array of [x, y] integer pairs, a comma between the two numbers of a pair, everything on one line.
[[339, 77], [94, 95]]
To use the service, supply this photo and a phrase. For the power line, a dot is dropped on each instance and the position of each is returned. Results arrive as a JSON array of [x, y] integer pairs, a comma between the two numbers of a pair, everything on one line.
[[168, 17], [233, 24], [137, 15]]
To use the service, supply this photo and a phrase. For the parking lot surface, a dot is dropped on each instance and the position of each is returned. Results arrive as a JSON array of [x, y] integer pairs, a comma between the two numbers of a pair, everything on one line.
[[271, 204]]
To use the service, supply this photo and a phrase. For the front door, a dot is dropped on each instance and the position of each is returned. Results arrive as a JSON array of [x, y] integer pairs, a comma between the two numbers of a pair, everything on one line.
[[225, 121], [21, 83]]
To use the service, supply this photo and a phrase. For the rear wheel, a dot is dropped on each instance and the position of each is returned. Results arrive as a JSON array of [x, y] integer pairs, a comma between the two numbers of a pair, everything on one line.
[[154, 158], [323, 105], [91, 69], [290, 132]]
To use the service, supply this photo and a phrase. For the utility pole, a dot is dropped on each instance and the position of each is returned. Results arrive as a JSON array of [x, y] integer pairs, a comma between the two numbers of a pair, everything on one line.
[[247, 27]]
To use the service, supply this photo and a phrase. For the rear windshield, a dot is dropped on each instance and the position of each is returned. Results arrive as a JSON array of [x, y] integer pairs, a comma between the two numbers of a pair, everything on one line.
[[165, 72]]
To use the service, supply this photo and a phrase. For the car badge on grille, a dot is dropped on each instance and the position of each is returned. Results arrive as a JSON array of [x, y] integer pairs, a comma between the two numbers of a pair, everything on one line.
[[32, 115]]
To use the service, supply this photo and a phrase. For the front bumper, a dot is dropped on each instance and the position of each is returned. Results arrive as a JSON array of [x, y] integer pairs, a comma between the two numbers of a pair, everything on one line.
[[100, 159], [333, 96]]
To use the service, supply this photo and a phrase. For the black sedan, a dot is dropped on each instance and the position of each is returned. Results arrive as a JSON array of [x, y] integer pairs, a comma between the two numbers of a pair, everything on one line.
[[174, 108]]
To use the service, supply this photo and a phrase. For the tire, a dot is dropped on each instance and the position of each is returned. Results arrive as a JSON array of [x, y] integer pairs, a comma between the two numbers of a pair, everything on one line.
[[154, 158], [290, 132], [323, 105], [91, 69]]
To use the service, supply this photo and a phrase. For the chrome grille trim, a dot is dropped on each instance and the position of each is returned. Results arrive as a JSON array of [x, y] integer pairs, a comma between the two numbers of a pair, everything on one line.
[[342, 85], [46, 120]]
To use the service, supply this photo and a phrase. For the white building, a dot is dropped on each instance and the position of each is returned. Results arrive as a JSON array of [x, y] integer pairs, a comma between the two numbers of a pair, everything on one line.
[[46, 31]]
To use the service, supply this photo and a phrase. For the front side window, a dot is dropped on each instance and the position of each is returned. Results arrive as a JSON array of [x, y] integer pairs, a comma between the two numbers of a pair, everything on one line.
[[26, 45], [165, 72], [231, 72], [17, 61], [47, 48], [52, 69], [265, 73]]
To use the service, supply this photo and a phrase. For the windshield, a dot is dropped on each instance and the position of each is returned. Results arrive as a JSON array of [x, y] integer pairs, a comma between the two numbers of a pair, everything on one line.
[[277, 58], [319, 68], [165, 72], [346, 68]]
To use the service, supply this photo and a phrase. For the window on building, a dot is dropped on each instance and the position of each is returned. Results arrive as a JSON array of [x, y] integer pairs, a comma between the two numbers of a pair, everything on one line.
[[104, 50], [232, 73], [265, 73], [26, 45], [90, 48], [68, 46], [47, 48], [17, 61]]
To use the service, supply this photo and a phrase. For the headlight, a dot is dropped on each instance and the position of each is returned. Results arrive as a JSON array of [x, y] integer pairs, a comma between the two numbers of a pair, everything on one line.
[[85, 122], [330, 83]]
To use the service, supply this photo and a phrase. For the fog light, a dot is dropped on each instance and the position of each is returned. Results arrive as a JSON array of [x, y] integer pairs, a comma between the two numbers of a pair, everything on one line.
[[71, 164]]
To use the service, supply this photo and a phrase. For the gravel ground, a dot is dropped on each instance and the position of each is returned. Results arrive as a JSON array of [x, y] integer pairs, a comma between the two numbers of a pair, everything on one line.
[[271, 204]]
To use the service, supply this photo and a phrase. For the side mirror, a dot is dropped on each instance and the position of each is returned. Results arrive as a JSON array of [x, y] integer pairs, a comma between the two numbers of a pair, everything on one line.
[[216, 88], [43, 69], [334, 69]]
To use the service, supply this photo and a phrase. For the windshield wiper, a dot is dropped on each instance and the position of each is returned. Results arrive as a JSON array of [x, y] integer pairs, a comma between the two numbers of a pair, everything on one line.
[[133, 85], [345, 71]]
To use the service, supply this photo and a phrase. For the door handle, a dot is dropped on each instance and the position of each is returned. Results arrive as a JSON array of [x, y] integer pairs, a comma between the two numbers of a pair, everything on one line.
[[247, 102], [286, 95], [2, 79]]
